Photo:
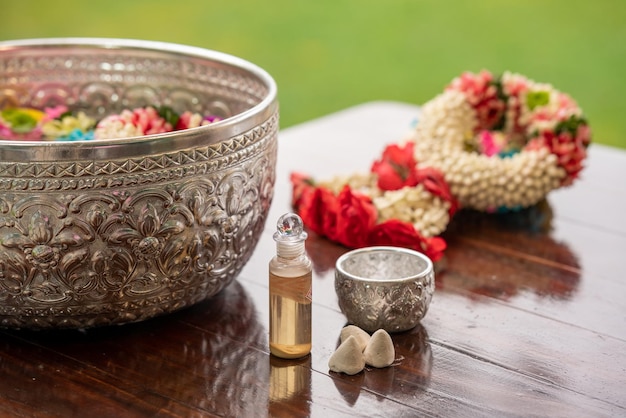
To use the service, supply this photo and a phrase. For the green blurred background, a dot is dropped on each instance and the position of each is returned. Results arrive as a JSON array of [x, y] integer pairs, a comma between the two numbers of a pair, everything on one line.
[[329, 55]]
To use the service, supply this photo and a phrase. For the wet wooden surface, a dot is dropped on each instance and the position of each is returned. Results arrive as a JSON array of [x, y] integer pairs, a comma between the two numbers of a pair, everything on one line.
[[528, 319]]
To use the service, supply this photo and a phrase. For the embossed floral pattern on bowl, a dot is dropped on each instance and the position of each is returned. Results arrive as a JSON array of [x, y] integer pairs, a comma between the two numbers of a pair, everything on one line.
[[114, 231]]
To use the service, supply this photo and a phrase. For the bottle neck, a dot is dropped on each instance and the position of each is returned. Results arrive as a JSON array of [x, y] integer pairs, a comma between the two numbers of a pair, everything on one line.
[[290, 250]]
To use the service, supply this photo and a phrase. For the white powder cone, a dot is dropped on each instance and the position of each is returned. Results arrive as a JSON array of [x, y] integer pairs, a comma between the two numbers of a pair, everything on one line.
[[348, 358], [379, 351], [361, 336]]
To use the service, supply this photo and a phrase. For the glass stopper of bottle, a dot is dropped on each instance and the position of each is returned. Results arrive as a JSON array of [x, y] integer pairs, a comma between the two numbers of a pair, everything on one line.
[[290, 235], [289, 226]]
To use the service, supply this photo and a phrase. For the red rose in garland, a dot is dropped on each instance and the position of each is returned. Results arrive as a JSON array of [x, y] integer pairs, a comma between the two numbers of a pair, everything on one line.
[[402, 234], [396, 168], [396, 204], [357, 216], [329, 212]]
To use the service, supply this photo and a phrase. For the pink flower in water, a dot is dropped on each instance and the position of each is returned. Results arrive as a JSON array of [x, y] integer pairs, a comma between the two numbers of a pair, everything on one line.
[[5, 131], [138, 122], [149, 121], [54, 112]]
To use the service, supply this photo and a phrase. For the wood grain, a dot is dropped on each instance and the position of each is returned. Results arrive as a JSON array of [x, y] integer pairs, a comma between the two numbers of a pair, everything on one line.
[[527, 318]]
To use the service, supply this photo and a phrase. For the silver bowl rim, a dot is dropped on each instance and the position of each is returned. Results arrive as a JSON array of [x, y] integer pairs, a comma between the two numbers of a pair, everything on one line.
[[231, 124], [427, 270]]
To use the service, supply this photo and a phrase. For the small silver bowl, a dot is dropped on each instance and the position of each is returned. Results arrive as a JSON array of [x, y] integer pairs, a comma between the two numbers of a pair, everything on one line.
[[386, 288]]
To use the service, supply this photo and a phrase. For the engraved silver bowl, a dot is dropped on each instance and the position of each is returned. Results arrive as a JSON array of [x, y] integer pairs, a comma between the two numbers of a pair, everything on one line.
[[112, 231], [386, 288]]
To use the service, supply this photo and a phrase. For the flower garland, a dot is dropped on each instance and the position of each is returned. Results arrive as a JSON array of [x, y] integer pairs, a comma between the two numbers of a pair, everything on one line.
[[502, 142], [60, 124], [396, 204], [487, 143]]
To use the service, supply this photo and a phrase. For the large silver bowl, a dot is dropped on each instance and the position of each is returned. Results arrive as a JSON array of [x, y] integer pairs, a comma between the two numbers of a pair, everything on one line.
[[112, 231]]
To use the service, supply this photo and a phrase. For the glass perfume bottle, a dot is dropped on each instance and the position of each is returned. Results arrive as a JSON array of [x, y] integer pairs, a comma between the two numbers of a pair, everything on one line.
[[290, 275]]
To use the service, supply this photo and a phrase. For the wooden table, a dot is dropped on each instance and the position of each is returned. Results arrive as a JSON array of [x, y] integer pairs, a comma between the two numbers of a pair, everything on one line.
[[528, 319]]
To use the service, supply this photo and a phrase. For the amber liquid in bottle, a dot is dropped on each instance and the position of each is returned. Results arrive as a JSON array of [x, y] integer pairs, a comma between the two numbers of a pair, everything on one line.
[[290, 315]]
